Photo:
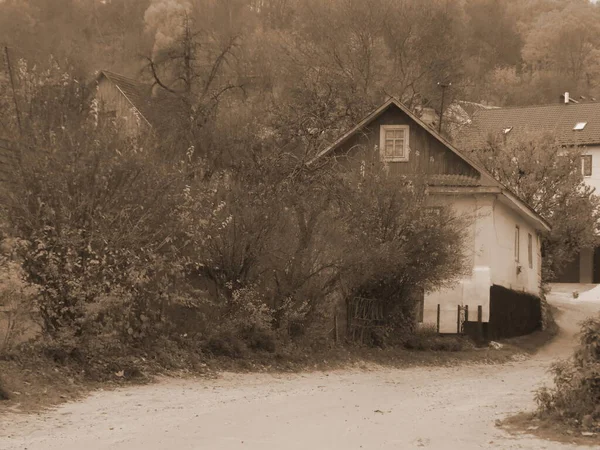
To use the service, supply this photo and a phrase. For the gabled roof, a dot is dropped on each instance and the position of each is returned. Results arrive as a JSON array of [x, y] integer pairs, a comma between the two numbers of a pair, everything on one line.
[[559, 119], [487, 179], [136, 93], [376, 113]]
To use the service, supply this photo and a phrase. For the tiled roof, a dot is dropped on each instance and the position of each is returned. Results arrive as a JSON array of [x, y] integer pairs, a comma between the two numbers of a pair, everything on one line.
[[471, 107], [558, 119], [137, 93], [452, 180]]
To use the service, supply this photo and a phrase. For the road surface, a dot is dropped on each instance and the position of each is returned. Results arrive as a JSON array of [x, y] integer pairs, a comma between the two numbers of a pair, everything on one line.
[[430, 408]]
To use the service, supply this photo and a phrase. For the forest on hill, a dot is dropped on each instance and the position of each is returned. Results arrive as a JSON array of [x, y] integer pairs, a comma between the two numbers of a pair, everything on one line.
[[504, 52]]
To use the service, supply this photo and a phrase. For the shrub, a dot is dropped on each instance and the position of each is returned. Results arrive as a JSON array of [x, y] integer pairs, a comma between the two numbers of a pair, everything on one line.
[[226, 343], [575, 397], [17, 299], [3, 392]]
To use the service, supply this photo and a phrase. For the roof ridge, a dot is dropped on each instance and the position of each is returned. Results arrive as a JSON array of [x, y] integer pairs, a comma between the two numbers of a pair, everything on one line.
[[111, 73], [570, 105]]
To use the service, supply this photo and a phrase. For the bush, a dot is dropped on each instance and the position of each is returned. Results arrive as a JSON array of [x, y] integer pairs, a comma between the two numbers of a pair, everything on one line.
[[3, 392], [575, 397], [17, 299], [133, 253], [226, 343]]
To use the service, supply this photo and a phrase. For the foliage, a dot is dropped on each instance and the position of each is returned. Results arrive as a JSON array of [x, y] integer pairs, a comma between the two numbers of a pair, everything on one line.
[[408, 247], [220, 238], [575, 397], [17, 314], [548, 177]]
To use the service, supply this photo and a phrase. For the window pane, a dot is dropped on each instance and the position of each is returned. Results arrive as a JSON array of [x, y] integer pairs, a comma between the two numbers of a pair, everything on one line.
[[399, 147], [399, 134]]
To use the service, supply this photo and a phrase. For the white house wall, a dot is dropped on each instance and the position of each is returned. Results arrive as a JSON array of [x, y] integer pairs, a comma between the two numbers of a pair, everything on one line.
[[594, 179], [504, 266], [489, 245], [474, 288]]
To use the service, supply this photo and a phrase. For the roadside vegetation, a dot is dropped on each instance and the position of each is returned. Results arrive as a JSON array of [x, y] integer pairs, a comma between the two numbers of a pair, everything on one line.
[[124, 256], [569, 410], [575, 398]]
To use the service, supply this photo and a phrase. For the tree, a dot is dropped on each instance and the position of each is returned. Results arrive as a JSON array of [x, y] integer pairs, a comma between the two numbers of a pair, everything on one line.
[[547, 176], [493, 39], [566, 41]]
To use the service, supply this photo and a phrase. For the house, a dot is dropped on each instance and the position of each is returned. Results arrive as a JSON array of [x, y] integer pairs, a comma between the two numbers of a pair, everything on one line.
[[123, 99], [573, 124], [457, 116], [503, 282]]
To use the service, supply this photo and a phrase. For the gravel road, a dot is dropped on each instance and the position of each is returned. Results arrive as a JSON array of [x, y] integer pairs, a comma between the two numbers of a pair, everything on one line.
[[431, 408]]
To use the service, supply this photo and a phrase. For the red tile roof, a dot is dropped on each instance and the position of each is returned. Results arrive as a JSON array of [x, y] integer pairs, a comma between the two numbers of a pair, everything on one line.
[[558, 119]]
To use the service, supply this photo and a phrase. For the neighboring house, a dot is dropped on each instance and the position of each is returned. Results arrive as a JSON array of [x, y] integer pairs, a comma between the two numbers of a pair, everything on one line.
[[571, 123], [503, 240], [125, 100], [457, 115]]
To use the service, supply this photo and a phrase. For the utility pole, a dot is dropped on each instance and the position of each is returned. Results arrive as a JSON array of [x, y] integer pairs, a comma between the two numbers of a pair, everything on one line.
[[14, 92], [443, 86]]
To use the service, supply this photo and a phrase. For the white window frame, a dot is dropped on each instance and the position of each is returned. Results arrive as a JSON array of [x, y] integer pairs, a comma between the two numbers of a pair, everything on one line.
[[530, 250], [382, 130], [517, 243], [583, 158]]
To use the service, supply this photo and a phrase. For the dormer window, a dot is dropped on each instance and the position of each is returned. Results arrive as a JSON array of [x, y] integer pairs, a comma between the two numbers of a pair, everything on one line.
[[393, 143], [579, 126]]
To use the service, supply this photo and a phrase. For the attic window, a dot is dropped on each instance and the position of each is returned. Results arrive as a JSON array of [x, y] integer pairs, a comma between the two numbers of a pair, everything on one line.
[[393, 143], [507, 130], [580, 125]]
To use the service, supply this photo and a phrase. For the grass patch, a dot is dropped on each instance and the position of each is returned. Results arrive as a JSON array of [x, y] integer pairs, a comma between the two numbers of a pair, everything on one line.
[[549, 429]]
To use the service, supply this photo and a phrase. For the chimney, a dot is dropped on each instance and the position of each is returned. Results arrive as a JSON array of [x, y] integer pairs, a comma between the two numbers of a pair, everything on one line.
[[566, 98]]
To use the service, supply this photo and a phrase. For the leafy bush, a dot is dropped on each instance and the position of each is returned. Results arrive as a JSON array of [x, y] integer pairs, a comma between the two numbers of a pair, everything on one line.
[[137, 254], [226, 343], [17, 311], [575, 397], [3, 392]]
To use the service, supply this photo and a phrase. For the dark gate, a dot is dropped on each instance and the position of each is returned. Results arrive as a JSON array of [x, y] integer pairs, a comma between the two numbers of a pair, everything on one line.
[[365, 315]]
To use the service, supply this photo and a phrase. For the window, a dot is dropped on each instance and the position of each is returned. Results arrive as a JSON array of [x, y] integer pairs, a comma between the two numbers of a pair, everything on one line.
[[586, 165], [579, 126], [393, 142], [517, 243], [530, 249]]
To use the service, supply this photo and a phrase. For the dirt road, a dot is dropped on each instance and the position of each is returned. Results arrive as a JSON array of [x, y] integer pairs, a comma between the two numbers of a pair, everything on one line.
[[441, 408]]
